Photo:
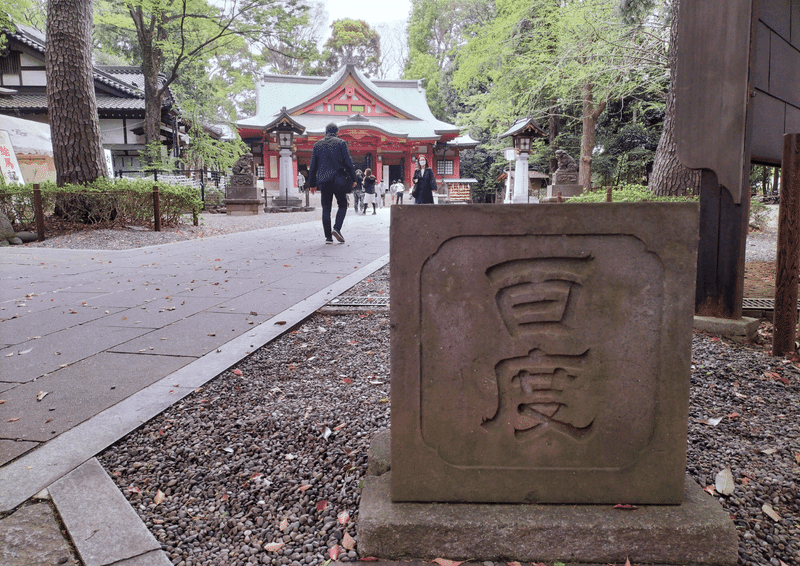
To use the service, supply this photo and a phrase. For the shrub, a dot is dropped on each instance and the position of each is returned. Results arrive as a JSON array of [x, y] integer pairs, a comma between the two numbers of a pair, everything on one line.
[[628, 193], [104, 202]]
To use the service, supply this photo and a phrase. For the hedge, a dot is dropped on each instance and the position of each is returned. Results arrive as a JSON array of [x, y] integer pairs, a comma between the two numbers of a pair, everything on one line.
[[105, 202]]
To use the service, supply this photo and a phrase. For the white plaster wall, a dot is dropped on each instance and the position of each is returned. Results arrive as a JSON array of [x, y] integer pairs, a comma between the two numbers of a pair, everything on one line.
[[27, 60], [112, 131], [34, 78]]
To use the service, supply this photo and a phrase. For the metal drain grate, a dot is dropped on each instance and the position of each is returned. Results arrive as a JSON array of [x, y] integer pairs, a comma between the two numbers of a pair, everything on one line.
[[360, 301], [762, 304]]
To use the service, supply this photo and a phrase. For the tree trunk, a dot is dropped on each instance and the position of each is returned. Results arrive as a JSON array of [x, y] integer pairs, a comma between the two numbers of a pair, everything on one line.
[[552, 134], [669, 176], [149, 35], [590, 114], [72, 107]]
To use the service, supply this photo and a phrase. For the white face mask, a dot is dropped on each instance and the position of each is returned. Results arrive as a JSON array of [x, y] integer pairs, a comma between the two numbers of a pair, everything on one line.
[[422, 162]]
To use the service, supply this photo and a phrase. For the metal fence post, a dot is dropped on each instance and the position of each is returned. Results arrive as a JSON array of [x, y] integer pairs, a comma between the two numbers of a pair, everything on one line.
[[156, 209], [38, 211]]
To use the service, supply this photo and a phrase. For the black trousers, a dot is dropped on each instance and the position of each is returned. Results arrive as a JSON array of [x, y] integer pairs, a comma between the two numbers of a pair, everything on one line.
[[327, 192]]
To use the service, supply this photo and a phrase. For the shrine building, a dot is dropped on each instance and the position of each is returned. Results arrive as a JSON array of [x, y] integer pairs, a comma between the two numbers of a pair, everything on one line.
[[386, 124]]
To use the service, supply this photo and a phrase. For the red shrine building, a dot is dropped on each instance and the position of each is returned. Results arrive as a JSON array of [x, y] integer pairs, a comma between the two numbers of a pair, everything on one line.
[[386, 124]]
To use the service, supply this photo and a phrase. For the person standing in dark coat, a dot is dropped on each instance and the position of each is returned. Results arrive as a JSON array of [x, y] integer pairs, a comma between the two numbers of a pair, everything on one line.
[[333, 173], [424, 183]]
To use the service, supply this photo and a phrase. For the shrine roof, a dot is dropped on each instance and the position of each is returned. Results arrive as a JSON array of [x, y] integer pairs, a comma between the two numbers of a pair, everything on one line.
[[406, 98]]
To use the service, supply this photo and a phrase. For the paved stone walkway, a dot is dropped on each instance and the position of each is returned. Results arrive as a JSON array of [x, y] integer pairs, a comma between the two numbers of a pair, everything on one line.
[[93, 343]]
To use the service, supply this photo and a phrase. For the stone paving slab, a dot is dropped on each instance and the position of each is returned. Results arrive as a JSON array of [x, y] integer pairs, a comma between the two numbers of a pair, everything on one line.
[[96, 533], [32, 537], [5, 385], [74, 344], [80, 391], [126, 297], [194, 336], [154, 558], [9, 449], [160, 313], [276, 300], [52, 320], [31, 473]]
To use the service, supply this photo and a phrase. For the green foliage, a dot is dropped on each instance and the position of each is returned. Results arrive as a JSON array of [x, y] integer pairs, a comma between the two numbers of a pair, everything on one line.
[[205, 151], [353, 41], [628, 193], [759, 215], [123, 202]]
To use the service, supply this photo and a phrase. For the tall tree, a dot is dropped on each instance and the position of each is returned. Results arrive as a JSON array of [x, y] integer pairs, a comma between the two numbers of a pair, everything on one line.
[[172, 35], [436, 31], [669, 176], [353, 41], [72, 107], [577, 53]]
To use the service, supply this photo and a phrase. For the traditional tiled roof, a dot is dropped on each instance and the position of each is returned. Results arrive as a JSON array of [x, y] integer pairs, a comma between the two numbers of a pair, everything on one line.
[[38, 102], [406, 98]]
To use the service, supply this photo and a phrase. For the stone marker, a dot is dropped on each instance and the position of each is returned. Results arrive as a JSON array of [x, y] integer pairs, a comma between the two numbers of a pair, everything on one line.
[[241, 195], [542, 354], [565, 179]]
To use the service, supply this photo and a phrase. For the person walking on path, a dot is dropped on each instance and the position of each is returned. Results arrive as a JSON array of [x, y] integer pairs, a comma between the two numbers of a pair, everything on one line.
[[424, 183], [333, 173], [301, 181], [380, 189], [369, 191], [358, 192], [401, 189], [393, 191]]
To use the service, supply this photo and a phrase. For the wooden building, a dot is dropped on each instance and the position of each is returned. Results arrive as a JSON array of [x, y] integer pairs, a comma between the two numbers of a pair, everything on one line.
[[386, 123], [119, 91]]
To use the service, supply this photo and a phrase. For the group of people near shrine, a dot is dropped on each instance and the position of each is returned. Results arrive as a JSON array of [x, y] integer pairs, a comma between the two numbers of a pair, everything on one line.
[[333, 173]]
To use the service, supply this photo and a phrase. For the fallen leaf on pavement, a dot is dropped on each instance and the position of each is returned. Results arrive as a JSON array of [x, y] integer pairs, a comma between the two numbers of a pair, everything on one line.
[[14, 420], [41, 395], [446, 562], [625, 507]]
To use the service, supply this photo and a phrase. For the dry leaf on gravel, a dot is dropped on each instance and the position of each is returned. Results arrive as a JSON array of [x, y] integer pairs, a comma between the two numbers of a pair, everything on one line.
[[713, 421], [322, 505], [709, 489], [348, 542], [769, 451], [446, 562], [273, 546], [770, 512], [343, 517], [304, 487], [723, 482], [334, 552], [237, 372], [159, 498], [284, 524]]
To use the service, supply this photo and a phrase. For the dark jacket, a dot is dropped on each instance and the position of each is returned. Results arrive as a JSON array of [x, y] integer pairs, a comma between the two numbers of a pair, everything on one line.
[[369, 184], [330, 155], [426, 184]]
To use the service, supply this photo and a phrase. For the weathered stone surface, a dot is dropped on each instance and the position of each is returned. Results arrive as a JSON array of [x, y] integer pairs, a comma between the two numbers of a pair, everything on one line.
[[542, 355], [379, 457], [744, 328], [96, 534], [567, 190], [696, 532], [31, 537]]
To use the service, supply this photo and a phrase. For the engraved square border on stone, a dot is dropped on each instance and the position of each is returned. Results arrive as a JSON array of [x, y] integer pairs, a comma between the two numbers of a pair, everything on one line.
[[541, 354]]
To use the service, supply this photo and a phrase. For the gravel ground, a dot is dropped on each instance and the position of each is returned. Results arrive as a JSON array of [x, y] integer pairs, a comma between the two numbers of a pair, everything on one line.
[[210, 224], [275, 455]]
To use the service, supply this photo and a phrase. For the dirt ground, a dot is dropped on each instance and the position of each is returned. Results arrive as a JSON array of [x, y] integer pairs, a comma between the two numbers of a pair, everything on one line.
[[759, 280]]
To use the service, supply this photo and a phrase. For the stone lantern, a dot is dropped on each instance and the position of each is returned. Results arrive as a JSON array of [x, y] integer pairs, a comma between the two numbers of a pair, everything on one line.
[[285, 128], [523, 131]]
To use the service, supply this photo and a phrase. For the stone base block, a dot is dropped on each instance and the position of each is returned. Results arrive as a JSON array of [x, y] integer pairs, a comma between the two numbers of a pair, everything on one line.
[[291, 202], [741, 329], [566, 191], [696, 532], [243, 207]]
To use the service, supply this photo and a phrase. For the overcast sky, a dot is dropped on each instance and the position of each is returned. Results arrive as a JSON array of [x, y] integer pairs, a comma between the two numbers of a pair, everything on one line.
[[371, 11]]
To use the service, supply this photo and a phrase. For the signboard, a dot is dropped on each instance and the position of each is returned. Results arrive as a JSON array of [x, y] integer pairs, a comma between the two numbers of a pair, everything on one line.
[[8, 161], [109, 163]]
